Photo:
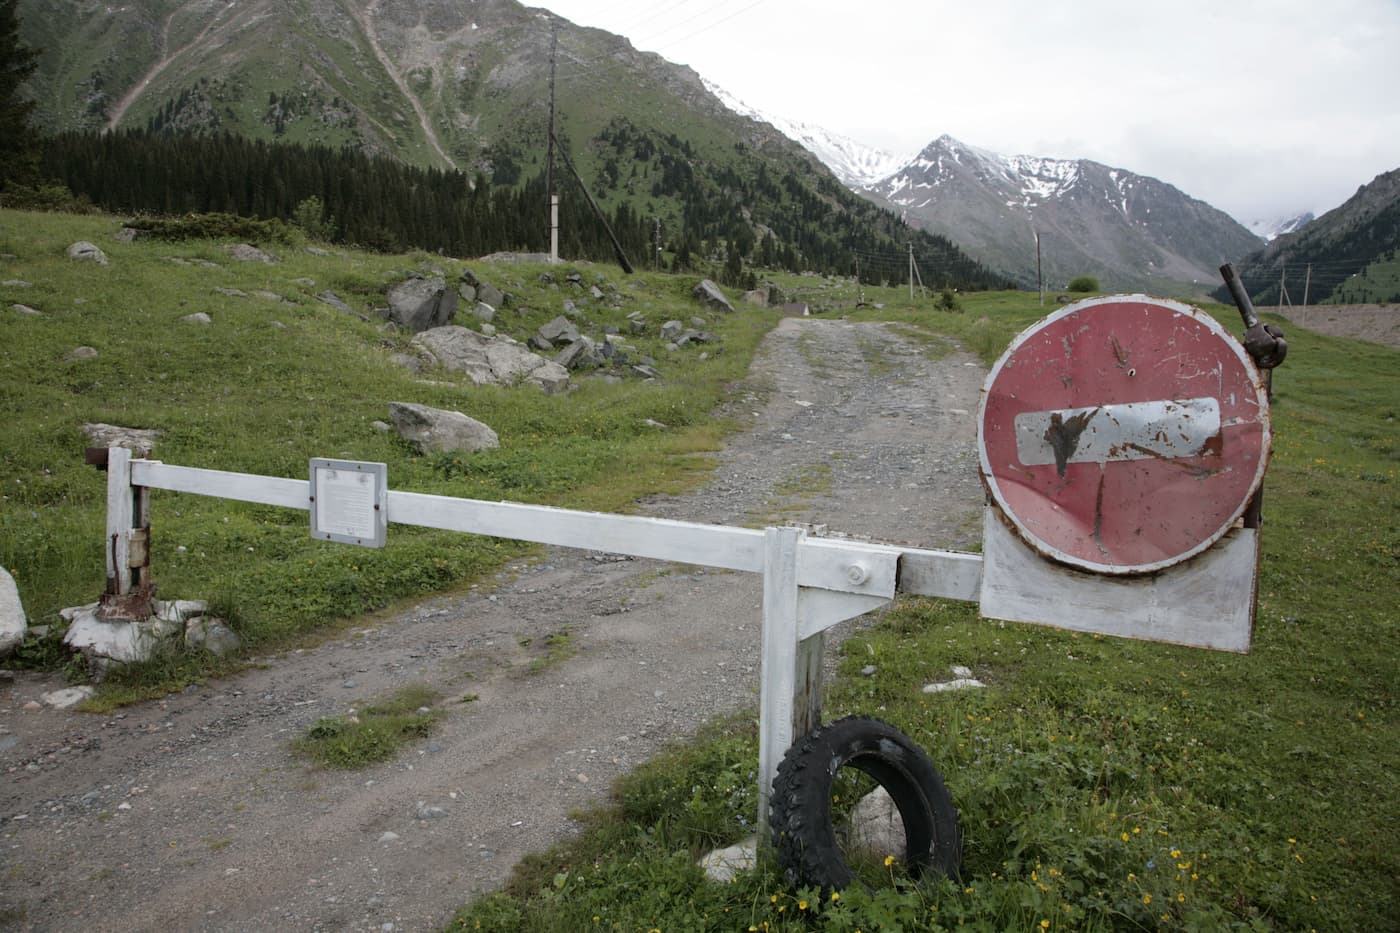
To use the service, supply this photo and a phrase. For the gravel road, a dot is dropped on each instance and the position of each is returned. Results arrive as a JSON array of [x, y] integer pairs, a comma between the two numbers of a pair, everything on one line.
[[191, 813]]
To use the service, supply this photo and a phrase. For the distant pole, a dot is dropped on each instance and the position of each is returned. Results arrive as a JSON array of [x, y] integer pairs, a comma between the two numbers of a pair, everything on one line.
[[622, 259], [1039, 279], [1306, 282], [911, 271], [656, 266], [554, 228], [553, 218]]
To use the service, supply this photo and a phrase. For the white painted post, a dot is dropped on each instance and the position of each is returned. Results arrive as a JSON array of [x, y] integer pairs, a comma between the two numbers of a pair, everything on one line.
[[121, 514], [779, 662]]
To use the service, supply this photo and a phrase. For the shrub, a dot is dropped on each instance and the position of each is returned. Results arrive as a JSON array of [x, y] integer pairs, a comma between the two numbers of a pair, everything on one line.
[[1083, 283]]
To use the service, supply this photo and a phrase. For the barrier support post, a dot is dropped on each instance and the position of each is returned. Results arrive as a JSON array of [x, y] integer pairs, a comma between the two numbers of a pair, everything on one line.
[[779, 663]]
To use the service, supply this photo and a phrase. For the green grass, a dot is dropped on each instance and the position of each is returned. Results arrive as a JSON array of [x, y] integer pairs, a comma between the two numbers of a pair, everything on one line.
[[271, 384], [373, 734], [1102, 784]]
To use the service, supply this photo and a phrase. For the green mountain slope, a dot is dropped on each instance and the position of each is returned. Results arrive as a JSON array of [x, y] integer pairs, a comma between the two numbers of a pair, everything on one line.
[[453, 84], [1346, 255]]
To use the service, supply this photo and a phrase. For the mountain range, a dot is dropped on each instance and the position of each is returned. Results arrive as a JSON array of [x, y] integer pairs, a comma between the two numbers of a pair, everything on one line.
[[464, 85]]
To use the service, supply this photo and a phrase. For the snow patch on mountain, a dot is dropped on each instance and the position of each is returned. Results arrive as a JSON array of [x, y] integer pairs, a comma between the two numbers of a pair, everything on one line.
[[1269, 229], [855, 164]]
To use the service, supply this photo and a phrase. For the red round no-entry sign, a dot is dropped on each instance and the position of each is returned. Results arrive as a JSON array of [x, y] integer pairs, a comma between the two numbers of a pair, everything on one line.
[[1123, 435]]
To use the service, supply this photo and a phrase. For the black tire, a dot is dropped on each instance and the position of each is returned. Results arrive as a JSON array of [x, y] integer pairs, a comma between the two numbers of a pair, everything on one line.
[[800, 814]]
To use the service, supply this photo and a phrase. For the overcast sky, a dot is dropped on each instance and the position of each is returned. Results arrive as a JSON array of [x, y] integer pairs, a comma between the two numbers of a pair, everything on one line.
[[1263, 108]]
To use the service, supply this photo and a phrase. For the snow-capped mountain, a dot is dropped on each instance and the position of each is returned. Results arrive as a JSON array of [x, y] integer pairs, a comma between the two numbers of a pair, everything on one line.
[[1129, 230], [1269, 229], [855, 164]]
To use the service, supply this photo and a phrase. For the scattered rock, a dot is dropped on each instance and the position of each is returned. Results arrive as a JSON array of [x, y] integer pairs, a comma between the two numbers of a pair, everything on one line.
[[559, 330], [15, 283], [757, 296], [127, 235], [244, 252], [419, 304], [490, 295], [490, 360], [711, 294], [103, 643], [199, 317], [484, 311], [332, 299], [212, 635], [13, 623], [581, 354], [70, 696], [232, 292], [722, 865], [112, 435], [962, 680], [25, 309], [81, 353], [671, 330], [877, 830], [433, 429], [83, 251]]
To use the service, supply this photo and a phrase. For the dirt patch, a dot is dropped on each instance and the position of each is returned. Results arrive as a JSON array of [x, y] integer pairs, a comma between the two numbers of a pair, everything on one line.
[[191, 813], [1376, 323]]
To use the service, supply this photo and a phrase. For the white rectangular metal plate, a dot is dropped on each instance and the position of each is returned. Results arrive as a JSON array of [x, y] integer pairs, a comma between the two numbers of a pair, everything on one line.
[[1129, 431], [1206, 602], [349, 500]]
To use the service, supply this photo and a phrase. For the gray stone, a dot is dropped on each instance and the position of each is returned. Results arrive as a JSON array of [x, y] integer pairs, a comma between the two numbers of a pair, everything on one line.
[[711, 294], [637, 326], [83, 251], [127, 235], [421, 304], [490, 360], [490, 294], [212, 635], [305, 283], [232, 292], [757, 296], [13, 623], [433, 430], [698, 323], [571, 310], [199, 317], [81, 353], [318, 251], [112, 435], [25, 309], [332, 299], [15, 283], [468, 292], [536, 342], [69, 696], [877, 830], [645, 371], [488, 330], [581, 354], [104, 643], [484, 311], [596, 292], [559, 330], [243, 252], [722, 865], [671, 330]]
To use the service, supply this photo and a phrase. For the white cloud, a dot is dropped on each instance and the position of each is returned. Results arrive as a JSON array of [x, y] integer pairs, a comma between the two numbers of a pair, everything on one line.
[[1260, 108]]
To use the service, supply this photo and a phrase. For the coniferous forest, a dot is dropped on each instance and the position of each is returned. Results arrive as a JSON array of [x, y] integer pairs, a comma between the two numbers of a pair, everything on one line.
[[346, 196]]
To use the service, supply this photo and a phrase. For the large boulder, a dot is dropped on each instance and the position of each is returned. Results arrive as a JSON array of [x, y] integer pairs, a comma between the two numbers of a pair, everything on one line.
[[434, 430], [711, 294], [419, 304], [113, 435], [83, 251], [559, 330], [245, 252], [13, 623], [486, 360]]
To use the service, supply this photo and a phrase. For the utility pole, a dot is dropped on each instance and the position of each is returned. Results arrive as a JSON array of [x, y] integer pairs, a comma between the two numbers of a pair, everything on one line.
[[1306, 282], [1282, 286], [1039, 279], [553, 219], [911, 271], [656, 266]]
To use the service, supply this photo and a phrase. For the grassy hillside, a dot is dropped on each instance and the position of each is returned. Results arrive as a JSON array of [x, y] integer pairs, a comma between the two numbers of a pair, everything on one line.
[[280, 377]]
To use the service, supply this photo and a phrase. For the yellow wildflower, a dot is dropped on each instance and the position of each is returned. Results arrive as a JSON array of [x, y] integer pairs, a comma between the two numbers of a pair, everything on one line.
[[889, 860], [1147, 898]]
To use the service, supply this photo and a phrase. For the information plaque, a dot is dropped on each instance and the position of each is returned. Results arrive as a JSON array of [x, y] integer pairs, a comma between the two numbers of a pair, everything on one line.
[[349, 501]]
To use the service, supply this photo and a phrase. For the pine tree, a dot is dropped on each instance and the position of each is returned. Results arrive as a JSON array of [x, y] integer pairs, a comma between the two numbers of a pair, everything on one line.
[[19, 144]]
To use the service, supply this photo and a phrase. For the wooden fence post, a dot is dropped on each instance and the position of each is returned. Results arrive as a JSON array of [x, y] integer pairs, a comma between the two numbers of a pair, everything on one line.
[[129, 584]]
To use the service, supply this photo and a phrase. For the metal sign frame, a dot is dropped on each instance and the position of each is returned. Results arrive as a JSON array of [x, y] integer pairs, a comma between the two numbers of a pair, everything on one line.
[[348, 501]]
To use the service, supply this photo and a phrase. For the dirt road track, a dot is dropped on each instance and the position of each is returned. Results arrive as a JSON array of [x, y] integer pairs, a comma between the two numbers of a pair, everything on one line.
[[192, 814]]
